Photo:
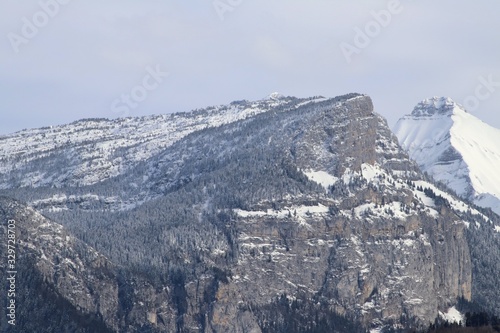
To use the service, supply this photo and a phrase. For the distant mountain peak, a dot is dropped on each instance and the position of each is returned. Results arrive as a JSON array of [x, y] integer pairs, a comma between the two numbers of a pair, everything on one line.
[[275, 95], [455, 148], [436, 106]]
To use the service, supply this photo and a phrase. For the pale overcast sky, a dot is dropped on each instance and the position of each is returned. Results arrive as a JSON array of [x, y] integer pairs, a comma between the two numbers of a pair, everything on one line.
[[63, 60]]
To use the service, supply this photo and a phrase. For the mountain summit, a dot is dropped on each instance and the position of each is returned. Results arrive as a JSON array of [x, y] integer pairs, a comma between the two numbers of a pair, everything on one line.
[[455, 148], [434, 106]]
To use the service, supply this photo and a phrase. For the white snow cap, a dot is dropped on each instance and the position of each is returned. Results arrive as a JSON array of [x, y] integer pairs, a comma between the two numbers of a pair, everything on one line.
[[275, 95]]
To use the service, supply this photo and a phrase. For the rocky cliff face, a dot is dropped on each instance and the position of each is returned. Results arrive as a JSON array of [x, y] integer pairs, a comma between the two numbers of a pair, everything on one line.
[[305, 216], [63, 285], [61, 268], [375, 251]]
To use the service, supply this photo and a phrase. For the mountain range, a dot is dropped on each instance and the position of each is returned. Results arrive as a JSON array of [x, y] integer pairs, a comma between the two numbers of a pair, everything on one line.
[[280, 215]]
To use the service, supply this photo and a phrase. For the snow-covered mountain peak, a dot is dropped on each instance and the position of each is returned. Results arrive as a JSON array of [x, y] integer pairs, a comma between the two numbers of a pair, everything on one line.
[[275, 95], [437, 106], [455, 148]]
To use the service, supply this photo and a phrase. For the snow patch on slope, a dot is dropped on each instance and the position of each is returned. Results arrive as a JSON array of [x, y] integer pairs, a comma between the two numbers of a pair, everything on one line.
[[479, 145], [456, 204], [452, 316], [321, 177], [298, 211]]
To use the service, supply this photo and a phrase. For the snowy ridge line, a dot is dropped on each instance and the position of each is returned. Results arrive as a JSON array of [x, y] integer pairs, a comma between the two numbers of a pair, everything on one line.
[[96, 149]]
